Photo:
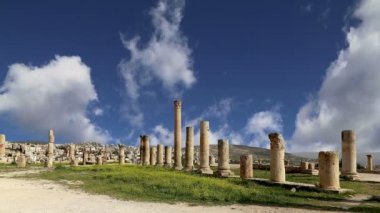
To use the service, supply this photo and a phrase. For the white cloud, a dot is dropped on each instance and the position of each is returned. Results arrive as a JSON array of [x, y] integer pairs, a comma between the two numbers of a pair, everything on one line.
[[161, 135], [260, 125], [53, 96], [166, 58], [98, 112], [349, 96]]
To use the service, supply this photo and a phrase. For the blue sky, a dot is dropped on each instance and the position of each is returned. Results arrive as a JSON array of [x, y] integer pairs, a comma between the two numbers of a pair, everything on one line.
[[249, 68]]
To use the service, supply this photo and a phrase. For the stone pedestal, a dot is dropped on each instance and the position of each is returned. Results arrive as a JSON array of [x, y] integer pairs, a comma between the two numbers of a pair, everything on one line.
[[160, 155], [153, 156], [189, 161], [21, 161], [146, 150], [177, 135], [121, 154], [277, 157], [349, 155], [329, 170], [246, 166], [369, 163], [224, 159], [2, 146], [168, 156], [204, 153]]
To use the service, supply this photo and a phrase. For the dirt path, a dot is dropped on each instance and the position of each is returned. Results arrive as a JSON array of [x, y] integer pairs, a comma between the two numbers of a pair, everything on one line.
[[20, 195]]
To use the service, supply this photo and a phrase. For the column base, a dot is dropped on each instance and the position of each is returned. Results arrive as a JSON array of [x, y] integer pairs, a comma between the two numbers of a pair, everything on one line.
[[189, 169], [178, 167], [224, 173], [206, 171], [160, 165], [167, 165], [350, 176]]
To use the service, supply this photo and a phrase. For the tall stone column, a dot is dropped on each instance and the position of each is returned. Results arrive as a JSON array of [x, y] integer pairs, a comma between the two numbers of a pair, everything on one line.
[[204, 152], [121, 154], [153, 156], [168, 156], [2, 146], [141, 150], [160, 155], [85, 156], [277, 157], [369, 163], [72, 151], [329, 170], [177, 135], [146, 157], [189, 166], [349, 155], [50, 151], [223, 158], [246, 167]]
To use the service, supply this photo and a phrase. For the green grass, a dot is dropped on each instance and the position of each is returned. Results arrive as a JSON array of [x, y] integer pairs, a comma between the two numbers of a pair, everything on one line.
[[163, 185]]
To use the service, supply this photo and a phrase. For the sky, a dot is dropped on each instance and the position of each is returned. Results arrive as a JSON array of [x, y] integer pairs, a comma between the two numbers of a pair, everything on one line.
[[109, 72]]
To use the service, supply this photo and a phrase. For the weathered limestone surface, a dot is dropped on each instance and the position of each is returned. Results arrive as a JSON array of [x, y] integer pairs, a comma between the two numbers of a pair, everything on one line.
[[223, 159], [168, 156], [204, 166], [189, 154], [71, 151], [141, 150], [212, 160], [153, 155], [121, 154], [146, 148], [85, 156], [349, 155], [304, 165], [277, 155], [246, 167], [99, 160], [177, 135], [74, 162], [329, 170], [160, 155], [2, 146], [369, 163]]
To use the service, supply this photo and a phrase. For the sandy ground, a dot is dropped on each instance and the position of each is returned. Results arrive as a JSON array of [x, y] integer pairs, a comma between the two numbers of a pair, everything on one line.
[[21, 195]]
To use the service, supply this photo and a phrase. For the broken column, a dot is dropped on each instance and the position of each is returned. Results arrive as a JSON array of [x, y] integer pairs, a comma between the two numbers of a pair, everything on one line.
[[153, 156], [168, 156], [99, 160], [85, 156], [160, 155], [121, 154], [223, 159], [72, 151], [204, 152], [146, 151], [177, 135], [329, 170], [2, 146], [349, 155], [277, 156], [21, 161], [304, 166], [189, 165], [246, 167], [369, 163]]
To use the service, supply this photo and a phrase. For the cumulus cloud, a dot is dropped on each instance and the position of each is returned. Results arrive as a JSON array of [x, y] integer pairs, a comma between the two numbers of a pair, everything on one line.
[[349, 96], [260, 125], [98, 112], [165, 58], [54, 96]]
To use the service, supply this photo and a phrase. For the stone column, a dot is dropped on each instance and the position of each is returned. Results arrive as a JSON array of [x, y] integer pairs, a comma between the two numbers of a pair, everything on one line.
[[50, 150], [177, 135], [189, 166], [21, 161], [141, 150], [153, 156], [99, 160], [146, 156], [160, 155], [49, 163], [311, 166], [369, 163], [121, 154], [204, 152], [85, 156], [72, 151], [168, 156], [212, 160], [349, 155], [246, 166], [2, 146], [304, 166], [277, 155], [223, 158], [74, 162], [329, 170]]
